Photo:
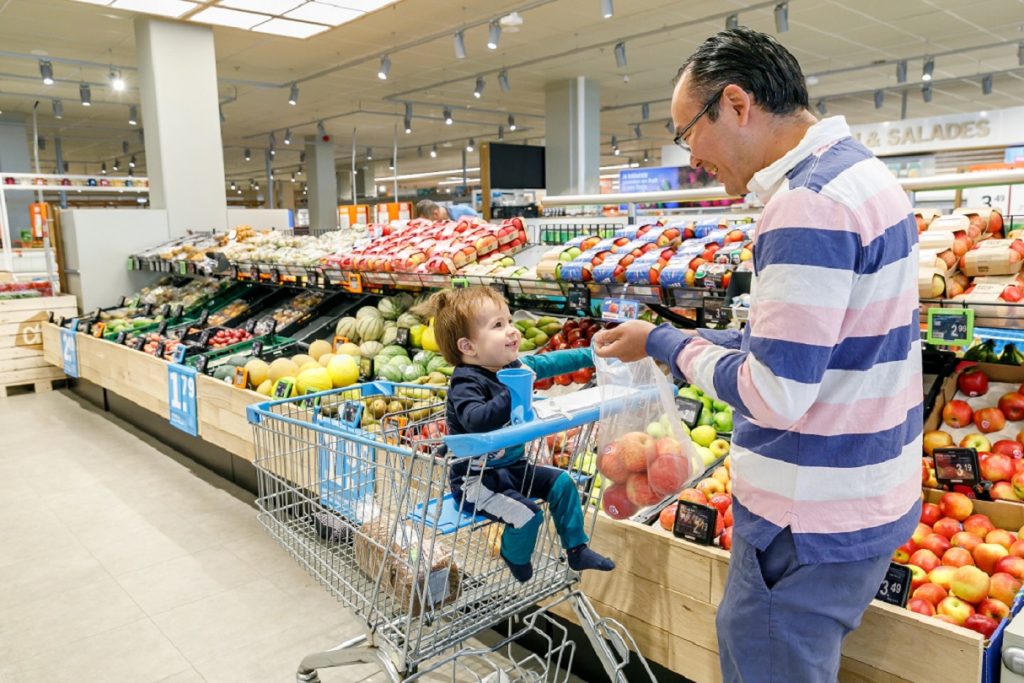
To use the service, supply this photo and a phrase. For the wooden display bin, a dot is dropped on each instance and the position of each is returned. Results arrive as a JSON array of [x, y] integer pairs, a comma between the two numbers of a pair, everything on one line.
[[21, 344]]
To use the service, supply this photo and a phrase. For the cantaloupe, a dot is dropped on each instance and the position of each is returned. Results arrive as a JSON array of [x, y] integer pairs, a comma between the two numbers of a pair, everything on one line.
[[313, 379], [343, 370], [258, 371], [325, 359], [301, 359], [264, 387], [348, 349], [282, 367], [307, 366], [319, 348]]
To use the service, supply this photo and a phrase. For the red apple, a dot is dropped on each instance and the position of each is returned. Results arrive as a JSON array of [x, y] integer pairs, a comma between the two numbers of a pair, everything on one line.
[[610, 464], [1012, 565], [937, 543], [936, 439], [925, 559], [1012, 405], [948, 527], [725, 540], [972, 382], [957, 557], [1013, 449], [986, 555], [1017, 549], [918, 576], [721, 502], [616, 503], [989, 420], [1002, 537], [990, 607], [1002, 490], [997, 467], [942, 576], [1018, 484], [969, 583], [965, 540], [1004, 587], [668, 473], [636, 450], [932, 592], [956, 609], [639, 490], [692, 495], [984, 625], [902, 554], [921, 532], [955, 505], [957, 414], [930, 513], [667, 518], [921, 606], [979, 525]]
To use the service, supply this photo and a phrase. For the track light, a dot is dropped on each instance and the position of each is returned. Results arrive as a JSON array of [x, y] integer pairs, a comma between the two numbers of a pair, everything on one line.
[[117, 165], [320, 130], [448, 116], [85, 94], [116, 81], [131, 162], [460, 45], [645, 111], [391, 164], [1020, 53], [369, 153], [511, 122], [478, 91], [615, 151], [879, 99], [493, 35], [927, 69], [133, 115], [408, 125], [124, 146], [615, 146], [433, 152], [233, 186], [503, 80], [298, 171], [302, 157], [636, 131], [288, 136], [41, 142], [58, 109], [782, 17], [469, 145], [926, 92], [620, 54], [385, 68], [46, 71], [901, 71], [647, 156], [986, 85], [271, 145], [103, 168], [606, 9], [501, 133], [822, 109], [248, 154], [293, 95], [732, 21]]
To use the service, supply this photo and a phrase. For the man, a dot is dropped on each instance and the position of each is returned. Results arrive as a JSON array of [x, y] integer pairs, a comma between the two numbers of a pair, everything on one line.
[[826, 377], [436, 212]]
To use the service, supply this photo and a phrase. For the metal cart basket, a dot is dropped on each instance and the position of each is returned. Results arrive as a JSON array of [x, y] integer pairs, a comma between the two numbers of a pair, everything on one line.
[[354, 483]]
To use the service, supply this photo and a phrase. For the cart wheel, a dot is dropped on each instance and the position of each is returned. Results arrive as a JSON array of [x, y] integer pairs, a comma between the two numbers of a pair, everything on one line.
[[307, 677]]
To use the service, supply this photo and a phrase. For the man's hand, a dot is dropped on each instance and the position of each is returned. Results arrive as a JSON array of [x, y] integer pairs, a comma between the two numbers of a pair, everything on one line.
[[627, 342]]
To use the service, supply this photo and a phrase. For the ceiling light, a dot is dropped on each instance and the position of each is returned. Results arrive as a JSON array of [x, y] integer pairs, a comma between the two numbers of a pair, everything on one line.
[[822, 108], [606, 9], [233, 186], [732, 21], [124, 146], [58, 109], [293, 94], [320, 130], [218, 16], [620, 54], [408, 110], [501, 133], [131, 162], [163, 8], [503, 80], [646, 156], [448, 116], [46, 71], [391, 163], [302, 157], [615, 151], [369, 153], [385, 68], [901, 71], [433, 152], [85, 94], [288, 136], [927, 69], [248, 154], [289, 28], [1020, 53], [493, 35], [324, 13], [478, 91], [117, 165], [986, 85], [926, 92], [116, 81], [782, 17], [645, 111], [298, 171], [469, 145], [460, 45], [879, 98], [103, 168], [511, 122], [408, 125]]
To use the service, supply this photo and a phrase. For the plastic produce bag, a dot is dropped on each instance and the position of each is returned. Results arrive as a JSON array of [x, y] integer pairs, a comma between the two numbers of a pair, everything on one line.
[[644, 453]]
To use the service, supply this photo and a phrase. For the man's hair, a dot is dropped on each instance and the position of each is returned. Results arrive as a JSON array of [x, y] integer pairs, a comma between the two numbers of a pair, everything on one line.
[[453, 311], [752, 60], [425, 208]]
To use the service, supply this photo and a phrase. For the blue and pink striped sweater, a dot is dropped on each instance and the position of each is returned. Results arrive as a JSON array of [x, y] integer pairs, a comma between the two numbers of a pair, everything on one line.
[[826, 377]]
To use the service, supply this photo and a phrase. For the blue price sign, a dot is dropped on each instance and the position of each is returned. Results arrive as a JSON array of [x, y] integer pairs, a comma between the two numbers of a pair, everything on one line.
[[69, 352], [181, 396]]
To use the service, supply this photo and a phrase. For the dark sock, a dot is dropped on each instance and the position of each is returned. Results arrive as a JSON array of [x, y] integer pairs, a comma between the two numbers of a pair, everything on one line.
[[522, 572], [581, 557]]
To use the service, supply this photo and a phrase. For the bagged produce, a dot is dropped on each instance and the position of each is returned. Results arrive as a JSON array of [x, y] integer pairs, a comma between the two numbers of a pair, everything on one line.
[[644, 455]]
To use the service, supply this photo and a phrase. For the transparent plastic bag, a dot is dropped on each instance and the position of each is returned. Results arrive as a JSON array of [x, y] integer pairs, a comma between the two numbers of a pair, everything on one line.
[[644, 455]]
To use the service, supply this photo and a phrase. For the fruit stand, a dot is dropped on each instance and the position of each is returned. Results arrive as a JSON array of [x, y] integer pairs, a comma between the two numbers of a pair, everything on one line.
[[21, 348]]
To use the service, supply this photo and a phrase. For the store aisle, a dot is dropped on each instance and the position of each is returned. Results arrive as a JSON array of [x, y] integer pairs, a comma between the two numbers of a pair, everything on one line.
[[121, 562]]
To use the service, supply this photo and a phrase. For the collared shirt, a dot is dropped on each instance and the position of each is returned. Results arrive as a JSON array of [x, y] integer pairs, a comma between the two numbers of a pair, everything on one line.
[[457, 211], [826, 378]]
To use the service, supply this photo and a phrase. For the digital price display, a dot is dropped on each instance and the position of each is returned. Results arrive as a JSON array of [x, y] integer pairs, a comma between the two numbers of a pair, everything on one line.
[[695, 522], [351, 413], [895, 587], [689, 410], [956, 466], [950, 326], [577, 299]]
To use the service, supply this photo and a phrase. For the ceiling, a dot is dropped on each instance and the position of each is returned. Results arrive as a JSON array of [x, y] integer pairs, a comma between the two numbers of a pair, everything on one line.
[[850, 49]]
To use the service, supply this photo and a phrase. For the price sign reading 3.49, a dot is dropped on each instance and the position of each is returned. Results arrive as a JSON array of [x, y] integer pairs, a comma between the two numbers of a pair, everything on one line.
[[181, 397]]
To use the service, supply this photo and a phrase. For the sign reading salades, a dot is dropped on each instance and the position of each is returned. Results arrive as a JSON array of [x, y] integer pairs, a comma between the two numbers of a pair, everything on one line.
[[1000, 128]]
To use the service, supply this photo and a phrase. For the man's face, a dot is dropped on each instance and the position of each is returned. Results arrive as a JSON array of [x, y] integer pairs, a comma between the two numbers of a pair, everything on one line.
[[440, 214], [721, 147]]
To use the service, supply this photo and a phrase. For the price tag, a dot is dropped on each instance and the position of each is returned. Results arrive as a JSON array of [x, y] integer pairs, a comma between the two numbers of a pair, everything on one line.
[[147, 310], [87, 328], [181, 397], [459, 283], [351, 413], [165, 310], [403, 338], [311, 401], [365, 369], [311, 277], [131, 263], [620, 310], [257, 348], [182, 268], [895, 588], [234, 272], [162, 328], [204, 338], [695, 522], [713, 309], [180, 351], [139, 343], [338, 341], [202, 362], [956, 466], [501, 288], [275, 276], [689, 410], [69, 352], [159, 352], [255, 272], [98, 328], [204, 317], [271, 328], [283, 388], [353, 283], [179, 311], [577, 299], [950, 326], [241, 378], [121, 336], [251, 325]]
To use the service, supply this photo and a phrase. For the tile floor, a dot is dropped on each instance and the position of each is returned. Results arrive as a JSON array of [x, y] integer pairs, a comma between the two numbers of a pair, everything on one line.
[[123, 561]]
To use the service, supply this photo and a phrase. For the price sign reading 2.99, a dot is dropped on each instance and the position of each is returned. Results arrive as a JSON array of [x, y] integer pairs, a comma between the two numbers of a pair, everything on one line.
[[181, 398], [950, 326]]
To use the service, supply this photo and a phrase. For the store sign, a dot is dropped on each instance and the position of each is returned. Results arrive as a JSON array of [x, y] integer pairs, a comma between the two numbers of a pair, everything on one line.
[[181, 397], [69, 351], [1001, 128]]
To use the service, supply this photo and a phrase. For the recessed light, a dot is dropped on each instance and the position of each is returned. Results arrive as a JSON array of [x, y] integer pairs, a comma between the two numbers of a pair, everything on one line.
[[97, 2], [228, 17], [164, 8], [361, 5], [289, 28], [264, 6], [324, 14]]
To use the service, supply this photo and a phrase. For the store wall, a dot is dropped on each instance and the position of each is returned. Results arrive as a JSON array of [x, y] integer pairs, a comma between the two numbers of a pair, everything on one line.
[[15, 158]]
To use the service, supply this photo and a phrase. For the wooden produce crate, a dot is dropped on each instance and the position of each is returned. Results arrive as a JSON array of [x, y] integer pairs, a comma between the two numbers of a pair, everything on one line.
[[21, 342], [666, 591]]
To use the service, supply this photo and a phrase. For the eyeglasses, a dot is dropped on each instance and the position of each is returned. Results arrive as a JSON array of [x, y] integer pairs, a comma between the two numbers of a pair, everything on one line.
[[707, 107]]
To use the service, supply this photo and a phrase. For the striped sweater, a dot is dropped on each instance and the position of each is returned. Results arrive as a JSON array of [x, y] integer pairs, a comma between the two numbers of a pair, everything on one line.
[[825, 379]]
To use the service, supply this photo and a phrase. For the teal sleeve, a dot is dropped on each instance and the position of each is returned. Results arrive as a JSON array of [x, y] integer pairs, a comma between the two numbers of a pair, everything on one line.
[[558, 362]]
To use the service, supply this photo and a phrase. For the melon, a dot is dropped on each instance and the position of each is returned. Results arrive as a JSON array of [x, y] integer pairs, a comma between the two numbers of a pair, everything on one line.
[[348, 348], [413, 372], [436, 363], [369, 349], [408, 320], [301, 359], [325, 359], [264, 387], [391, 373], [309, 365], [370, 329], [282, 367], [314, 379], [368, 312], [343, 370], [390, 335], [346, 327], [423, 357], [390, 308], [319, 348], [391, 351], [259, 371]]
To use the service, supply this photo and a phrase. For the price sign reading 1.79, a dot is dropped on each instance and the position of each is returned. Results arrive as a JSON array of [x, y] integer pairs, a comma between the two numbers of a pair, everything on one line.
[[181, 397]]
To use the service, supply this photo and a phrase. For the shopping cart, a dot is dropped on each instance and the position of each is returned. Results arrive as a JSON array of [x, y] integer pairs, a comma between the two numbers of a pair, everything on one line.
[[354, 484]]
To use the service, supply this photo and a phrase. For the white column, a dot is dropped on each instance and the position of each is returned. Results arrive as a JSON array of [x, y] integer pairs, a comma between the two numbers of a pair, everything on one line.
[[323, 185], [180, 109], [572, 131]]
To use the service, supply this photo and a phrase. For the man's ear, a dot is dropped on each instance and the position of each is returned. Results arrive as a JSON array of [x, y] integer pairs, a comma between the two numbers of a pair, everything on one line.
[[739, 101], [465, 346]]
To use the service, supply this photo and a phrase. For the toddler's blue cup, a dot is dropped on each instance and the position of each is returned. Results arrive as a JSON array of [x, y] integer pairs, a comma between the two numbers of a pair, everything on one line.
[[520, 384]]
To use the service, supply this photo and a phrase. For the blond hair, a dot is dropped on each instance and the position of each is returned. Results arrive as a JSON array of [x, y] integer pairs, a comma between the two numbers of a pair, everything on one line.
[[453, 311]]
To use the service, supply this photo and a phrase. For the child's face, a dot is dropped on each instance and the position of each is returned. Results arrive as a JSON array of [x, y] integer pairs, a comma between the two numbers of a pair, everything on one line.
[[495, 340]]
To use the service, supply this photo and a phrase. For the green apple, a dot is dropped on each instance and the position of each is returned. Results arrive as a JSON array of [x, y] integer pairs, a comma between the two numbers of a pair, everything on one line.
[[703, 435], [686, 429], [657, 429], [719, 406], [706, 455], [720, 448], [723, 421], [565, 257], [585, 462], [706, 417], [574, 252], [690, 392]]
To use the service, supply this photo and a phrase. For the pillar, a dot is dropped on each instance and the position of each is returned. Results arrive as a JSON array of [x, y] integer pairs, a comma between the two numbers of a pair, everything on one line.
[[15, 158], [184, 154], [345, 187], [323, 185], [572, 130]]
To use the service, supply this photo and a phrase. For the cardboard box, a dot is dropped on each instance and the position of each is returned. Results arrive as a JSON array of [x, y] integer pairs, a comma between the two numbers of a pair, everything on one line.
[[992, 257]]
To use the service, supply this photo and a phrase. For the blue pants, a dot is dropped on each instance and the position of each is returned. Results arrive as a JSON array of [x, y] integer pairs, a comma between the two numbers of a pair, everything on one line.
[[506, 494], [783, 622]]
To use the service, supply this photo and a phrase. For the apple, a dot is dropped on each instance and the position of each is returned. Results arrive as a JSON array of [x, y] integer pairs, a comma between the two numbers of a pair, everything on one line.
[[692, 495], [667, 518], [1009, 447], [719, 447], [1012, 565], [636, 450], [1002, 537], [727, 517], [918, 576], [948, 527], [1018, 484], [725, 540], [668, 473], [616, 503], [956, 609], [997, 467], [1004, 587], [989, 420], [944, 619], [965, 540], [932, 592], [610, 464], [955, 505], [957, 557], [721, 502], [984, 625], [978, 442], [925, 559], [1017, 549], [1002, 490], [990, 607], [710, 487], [1012, 406], [930, 513], [986, 555], [921, 606], [969, 583], [902, 554], [921, 532], [979, 525], [640, 491], [703, 435], [936, 438], [957, 414], [972, 382], [937, 543], [942, 575]]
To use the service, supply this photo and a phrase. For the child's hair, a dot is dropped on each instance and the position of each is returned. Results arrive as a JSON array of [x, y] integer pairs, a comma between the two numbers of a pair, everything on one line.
[[453, 311]]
